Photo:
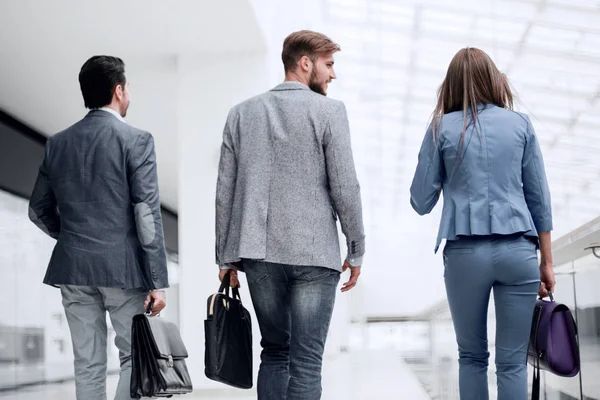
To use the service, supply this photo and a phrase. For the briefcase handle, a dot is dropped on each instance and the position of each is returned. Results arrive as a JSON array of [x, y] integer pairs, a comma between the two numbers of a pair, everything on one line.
[[225, 284], [149, 308]]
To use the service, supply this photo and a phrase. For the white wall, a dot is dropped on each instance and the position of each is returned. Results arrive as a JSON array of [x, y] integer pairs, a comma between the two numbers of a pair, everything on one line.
[[153, 87]]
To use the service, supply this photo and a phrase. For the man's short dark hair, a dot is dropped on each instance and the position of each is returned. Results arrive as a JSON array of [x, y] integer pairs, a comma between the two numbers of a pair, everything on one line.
[[98, 78]]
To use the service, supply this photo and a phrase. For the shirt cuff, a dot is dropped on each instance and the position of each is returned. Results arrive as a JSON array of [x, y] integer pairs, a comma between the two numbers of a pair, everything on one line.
[[355, 261], [227, 266]]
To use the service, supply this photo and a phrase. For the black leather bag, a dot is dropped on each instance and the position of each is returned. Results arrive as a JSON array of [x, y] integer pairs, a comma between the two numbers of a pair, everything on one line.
[[158, 358], [228, 333]]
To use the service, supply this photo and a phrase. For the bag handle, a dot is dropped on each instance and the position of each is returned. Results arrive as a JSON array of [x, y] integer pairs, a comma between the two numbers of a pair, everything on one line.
[[149, 308], [226, 283], [535, 390], [550, 295]]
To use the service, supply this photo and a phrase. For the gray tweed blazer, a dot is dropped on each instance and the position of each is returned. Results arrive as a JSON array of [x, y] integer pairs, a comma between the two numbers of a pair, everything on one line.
[[286, 174]]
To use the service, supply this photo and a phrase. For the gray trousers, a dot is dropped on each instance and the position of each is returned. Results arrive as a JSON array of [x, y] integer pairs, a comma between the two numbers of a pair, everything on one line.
[[86, 307]]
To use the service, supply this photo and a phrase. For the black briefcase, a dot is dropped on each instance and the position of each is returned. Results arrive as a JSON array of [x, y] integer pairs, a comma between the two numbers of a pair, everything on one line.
[[158, 358], [228, 334]]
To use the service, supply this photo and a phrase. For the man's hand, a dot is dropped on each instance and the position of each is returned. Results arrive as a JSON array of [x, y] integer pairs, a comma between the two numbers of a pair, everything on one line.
[[233, 278], [160, 301], [354, 274]]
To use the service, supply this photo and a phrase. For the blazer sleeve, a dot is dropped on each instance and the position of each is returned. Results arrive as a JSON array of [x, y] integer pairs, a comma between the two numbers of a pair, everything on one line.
[[427, 182], [43, 207], [535, 184], [143, 185], [343, 183], [226, 180]]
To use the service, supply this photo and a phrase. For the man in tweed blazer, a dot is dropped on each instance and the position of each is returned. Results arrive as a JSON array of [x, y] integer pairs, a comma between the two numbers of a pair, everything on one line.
[[286, 174]]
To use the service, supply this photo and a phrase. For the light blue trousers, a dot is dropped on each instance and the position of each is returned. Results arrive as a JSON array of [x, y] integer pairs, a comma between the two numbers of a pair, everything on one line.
[[474, 266]]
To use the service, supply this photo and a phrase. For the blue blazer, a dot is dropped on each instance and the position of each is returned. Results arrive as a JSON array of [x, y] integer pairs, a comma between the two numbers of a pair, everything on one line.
[[496, 186]]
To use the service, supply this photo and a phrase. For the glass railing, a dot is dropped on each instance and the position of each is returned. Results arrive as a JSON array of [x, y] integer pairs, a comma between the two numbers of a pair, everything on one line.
[[427, 342], [578, 286]]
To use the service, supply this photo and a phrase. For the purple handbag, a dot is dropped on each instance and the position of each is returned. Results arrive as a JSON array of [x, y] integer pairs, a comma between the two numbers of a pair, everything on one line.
[[553, 344]]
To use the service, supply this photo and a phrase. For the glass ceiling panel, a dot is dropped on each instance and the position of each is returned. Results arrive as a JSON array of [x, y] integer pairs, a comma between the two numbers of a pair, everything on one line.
[[565, 63], [590, 44], [581, 144], [352, 15], [520, 75], [514, 9], [435, 55], [589, 119], [577, 18], [504, 31], [424, 82], [549, 99], [544, 110], [585, 4], [395, 15], [340, 5], [438, 22], [553, 38], [580, 84], [392, 108]]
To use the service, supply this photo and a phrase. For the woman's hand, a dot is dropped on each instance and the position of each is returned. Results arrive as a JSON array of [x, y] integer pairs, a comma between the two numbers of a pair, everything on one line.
[[547, 278]]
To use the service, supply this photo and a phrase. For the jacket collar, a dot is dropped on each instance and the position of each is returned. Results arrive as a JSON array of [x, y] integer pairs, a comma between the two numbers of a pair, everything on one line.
[[290, 85], [98, 112], [112, 112]]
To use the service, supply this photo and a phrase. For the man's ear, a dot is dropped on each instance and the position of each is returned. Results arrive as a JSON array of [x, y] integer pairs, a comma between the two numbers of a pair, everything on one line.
[[305, 64], [119, 91]]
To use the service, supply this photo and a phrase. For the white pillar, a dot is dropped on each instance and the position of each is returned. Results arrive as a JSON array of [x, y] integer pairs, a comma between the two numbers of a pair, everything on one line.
[[208, 86]]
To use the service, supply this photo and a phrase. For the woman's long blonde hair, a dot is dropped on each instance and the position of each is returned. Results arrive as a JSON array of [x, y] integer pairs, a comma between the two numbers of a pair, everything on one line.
[[472, 79]]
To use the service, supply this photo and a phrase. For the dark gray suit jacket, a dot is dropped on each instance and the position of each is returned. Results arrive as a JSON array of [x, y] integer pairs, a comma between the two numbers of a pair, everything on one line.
[[97, 194]]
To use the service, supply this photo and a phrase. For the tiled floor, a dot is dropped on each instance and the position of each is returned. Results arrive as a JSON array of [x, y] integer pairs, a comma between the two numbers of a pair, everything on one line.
[[350, 376]]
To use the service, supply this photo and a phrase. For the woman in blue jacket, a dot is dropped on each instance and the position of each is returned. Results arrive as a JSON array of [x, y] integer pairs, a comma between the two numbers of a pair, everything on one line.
[[486, 160]]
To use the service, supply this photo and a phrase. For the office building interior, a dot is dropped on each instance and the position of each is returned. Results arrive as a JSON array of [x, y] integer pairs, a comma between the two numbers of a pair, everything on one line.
[[188, 62]]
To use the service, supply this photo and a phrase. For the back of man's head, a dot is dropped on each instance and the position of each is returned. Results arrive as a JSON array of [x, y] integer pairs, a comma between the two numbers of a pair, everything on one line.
[[305, 43], [98, 78]]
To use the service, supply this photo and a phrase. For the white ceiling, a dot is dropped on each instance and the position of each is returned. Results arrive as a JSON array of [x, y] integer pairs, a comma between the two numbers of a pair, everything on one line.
[[44, 43]]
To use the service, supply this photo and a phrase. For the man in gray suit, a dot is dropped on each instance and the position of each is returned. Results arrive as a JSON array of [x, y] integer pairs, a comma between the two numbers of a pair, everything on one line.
[[286, 173], [97, 195]]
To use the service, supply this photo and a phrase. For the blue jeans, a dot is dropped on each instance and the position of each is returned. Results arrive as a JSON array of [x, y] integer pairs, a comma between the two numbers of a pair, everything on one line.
[[293, 306], [474, 266]]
